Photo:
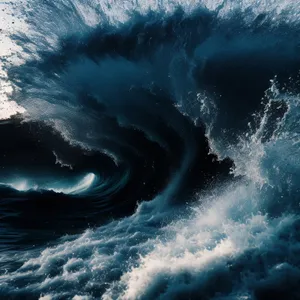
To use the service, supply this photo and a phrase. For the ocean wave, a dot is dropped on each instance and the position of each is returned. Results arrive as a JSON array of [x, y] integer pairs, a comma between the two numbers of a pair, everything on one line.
[[158, 154]]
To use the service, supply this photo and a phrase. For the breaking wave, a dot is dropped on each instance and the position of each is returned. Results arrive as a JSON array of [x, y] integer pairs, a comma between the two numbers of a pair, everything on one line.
[[154, 153]]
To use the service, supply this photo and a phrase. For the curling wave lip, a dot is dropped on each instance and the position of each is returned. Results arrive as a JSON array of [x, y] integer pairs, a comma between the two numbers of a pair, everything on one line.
[[79, 188], [82, 186]]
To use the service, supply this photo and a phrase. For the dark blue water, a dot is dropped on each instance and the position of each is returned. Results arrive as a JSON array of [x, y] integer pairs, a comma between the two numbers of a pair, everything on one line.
[[158, 157]]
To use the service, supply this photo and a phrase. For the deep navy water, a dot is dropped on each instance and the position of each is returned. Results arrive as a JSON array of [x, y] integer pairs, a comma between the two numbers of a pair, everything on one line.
[[158, 154]]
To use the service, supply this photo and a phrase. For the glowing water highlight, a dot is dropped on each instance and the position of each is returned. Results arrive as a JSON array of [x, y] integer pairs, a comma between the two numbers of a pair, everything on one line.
[[62, 187]]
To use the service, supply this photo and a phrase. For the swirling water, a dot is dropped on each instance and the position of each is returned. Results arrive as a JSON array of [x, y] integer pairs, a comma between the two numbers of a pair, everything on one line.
[[155, 153]]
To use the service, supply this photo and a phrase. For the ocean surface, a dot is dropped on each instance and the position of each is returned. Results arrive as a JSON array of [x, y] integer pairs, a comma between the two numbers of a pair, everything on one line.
[[150, 149]]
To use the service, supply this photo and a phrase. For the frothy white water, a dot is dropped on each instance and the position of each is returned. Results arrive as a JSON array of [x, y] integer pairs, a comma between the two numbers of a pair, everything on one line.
[[184, 257], [203, 246]]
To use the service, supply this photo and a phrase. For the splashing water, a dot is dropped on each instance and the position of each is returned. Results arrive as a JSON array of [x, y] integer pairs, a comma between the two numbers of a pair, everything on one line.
[[131, 111]]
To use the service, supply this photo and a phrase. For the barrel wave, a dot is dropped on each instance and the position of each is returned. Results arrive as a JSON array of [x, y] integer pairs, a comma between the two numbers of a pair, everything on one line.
[[151, 150]]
